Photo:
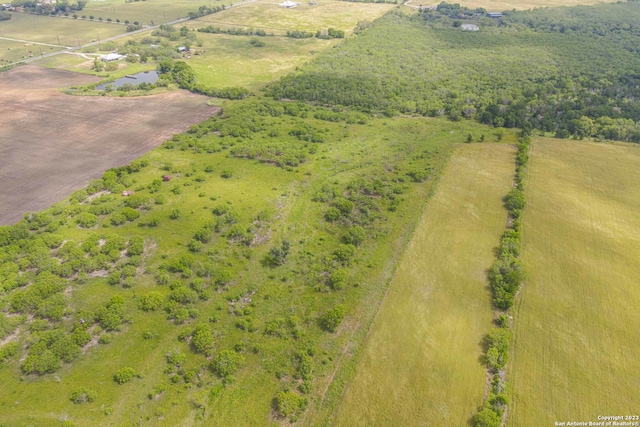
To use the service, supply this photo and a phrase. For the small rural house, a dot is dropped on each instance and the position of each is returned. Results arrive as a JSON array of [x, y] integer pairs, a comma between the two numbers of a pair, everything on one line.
[[469, 27], [182, 49], [111, 57], [494, 14], [288, 4]]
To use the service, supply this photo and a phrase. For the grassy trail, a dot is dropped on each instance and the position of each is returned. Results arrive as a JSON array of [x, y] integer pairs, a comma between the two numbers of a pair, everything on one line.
[[421, 365]]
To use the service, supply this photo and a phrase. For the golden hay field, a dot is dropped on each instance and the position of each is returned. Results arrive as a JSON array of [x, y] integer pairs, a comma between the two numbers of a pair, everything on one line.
[[577, 323]]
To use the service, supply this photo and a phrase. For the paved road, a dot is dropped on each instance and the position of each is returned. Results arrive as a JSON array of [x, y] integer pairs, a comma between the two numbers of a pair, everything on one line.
[[29, 41]]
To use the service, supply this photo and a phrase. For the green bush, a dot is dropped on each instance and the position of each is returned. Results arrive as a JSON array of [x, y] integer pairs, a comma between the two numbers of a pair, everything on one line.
[[130, 213], [151, 301], [289, 403], [202, 338], [124, 375], [86, 220], [345, 206], [355, 235], [226, 363], [83, 395], [332, 214], [344, 253], [332, 318], [338, 279]]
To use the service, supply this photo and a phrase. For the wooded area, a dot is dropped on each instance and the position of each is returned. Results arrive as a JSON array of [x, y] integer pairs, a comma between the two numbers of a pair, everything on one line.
[[569, 71]]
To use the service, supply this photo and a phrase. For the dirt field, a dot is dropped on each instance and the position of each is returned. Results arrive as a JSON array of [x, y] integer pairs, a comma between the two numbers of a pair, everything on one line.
[[51, 144]]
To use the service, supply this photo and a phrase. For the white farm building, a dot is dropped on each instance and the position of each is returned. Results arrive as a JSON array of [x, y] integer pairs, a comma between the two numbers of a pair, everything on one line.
[[111, 57], [288, 4]]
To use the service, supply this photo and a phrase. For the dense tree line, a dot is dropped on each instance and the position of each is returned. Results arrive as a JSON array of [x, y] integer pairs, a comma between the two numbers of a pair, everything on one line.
[[235, 31], [54, 8], [505, 277], [577, 83]]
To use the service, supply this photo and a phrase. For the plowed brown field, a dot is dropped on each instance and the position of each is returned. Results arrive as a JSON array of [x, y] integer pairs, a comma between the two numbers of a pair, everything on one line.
[[52, 144]]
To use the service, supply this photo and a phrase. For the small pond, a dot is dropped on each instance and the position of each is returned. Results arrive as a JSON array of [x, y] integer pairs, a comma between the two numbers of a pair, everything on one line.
[[133, 79]]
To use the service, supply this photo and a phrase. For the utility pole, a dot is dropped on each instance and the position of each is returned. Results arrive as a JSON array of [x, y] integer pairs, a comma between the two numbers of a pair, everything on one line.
[[59, 40]]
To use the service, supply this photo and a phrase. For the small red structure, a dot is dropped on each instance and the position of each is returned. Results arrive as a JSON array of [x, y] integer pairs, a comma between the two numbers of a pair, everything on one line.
[[166, 178]]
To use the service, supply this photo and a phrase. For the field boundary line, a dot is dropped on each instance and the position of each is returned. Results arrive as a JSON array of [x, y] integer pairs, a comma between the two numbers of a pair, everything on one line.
[[391, 279]]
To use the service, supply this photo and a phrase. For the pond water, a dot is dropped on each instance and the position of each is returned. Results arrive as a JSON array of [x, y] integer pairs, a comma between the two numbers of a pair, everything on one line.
[[134, 79]]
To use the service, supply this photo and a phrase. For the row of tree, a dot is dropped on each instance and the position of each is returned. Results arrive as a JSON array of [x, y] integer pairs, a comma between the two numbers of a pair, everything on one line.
[[505, 277]]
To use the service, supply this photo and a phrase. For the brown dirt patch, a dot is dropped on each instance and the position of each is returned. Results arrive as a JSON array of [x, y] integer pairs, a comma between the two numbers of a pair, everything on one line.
[[52, 144]]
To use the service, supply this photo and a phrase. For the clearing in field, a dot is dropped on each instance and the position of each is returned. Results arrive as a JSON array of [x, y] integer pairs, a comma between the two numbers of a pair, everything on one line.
[[146, 12], [52, 144], [340, 15], [57, 30], [421, 362], [234, 61], [577, 324]]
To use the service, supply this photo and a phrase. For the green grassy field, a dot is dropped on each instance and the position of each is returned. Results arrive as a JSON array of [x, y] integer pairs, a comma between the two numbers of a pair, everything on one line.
[[146, 11], [498, 5], [233, 61], [577, 323], [268, 314], [420, 365], [229, 60], [70, 31], [268, 16], [14, 51]]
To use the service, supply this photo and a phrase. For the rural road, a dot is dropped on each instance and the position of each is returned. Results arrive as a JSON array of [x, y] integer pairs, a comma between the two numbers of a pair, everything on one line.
[[71, 49], [65, 49]]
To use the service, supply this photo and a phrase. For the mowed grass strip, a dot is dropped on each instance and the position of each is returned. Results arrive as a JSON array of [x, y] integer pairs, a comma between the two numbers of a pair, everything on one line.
[[421, 364], [577, 323]]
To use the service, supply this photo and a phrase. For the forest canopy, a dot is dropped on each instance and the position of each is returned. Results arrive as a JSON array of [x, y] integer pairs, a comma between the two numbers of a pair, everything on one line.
[[572, 71]]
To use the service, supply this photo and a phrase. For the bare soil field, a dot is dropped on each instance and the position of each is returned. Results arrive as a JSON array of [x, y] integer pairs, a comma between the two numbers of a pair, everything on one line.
[[52, 144]]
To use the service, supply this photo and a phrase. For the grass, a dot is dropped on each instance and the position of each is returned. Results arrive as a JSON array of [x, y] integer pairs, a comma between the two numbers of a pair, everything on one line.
[[145, 12], [80, 64], [576, 319], [387, 148], [421, 362], [497, 5], [14, 51], [268, 16], [233, 61], [71, 32], [228, 60]]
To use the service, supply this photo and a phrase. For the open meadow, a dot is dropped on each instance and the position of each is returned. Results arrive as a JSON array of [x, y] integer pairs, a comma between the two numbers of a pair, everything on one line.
[[52, 143], [499, 5], [577, 323], [340, 15], [147, 12], [57, 30], [263, 306], [421, 363], [233, 61]]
